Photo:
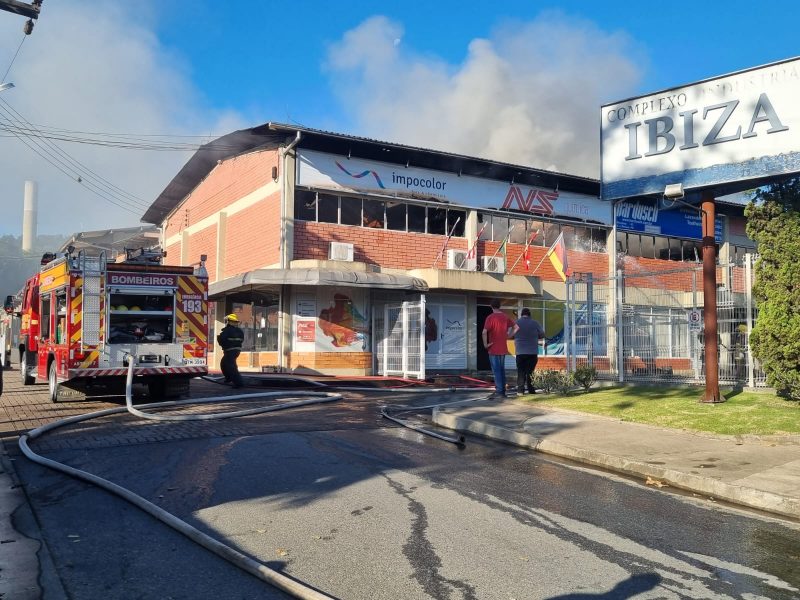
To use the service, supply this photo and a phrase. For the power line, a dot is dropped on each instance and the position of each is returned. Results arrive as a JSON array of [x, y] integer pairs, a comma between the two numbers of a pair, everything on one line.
[[13, 59], [72, 167], [59, 164], [124, 141]]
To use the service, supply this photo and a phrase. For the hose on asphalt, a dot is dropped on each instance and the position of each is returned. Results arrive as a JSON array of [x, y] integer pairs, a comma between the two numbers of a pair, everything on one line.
[[459, 441], [238, 559]]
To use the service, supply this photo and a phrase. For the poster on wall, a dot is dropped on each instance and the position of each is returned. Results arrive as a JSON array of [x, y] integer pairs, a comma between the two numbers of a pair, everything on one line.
[[342, 320], [306, 330], [305, 322], [445, 336]]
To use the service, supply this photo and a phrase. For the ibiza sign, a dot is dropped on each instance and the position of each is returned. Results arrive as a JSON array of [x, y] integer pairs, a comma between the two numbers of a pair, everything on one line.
[[735, 128]]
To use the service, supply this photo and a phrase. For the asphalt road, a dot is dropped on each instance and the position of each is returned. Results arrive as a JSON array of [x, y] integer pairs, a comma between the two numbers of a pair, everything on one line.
[[359, 508]]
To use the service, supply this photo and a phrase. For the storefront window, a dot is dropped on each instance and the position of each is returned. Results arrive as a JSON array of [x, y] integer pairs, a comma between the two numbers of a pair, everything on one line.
[[519, 231], [551, 233], [648, 246], [305, 205], [499, 228], [328, 208], [437, 221], [259, 322], [583, 239], [599, 237], [373, 214], [396, 216], [416, 218], [569, 236], [351, 211], [662, 248], [485, 232], [456, 222], [538, 228]]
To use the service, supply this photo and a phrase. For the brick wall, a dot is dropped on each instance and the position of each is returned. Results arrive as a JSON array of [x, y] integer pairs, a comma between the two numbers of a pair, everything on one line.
[[205, 242], [253, 237], [391, 249], [322, 361], [227, 182], [583, 262]]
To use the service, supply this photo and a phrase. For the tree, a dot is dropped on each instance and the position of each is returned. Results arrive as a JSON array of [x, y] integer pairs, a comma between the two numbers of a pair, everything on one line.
[[773, 221]]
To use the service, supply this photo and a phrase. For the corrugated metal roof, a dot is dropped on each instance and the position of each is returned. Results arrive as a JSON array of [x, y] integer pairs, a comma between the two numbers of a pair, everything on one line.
[[272, 135]]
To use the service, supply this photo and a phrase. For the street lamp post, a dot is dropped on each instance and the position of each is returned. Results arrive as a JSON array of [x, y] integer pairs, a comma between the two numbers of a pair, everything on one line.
[[6, 86]]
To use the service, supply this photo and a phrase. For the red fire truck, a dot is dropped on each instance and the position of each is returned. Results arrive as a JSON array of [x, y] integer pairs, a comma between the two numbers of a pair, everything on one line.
[[83, 318]]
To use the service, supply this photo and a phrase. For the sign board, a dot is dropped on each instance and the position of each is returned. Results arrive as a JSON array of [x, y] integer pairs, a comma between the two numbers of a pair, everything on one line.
[[330, 171], [734, 128], [644, 216], [695, 320]]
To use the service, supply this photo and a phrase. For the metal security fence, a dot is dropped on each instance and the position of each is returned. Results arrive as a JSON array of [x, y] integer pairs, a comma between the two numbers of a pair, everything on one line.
[[647, 325]]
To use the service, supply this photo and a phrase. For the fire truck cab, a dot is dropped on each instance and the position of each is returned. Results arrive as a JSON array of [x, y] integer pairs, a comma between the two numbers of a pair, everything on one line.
[[84, 318]]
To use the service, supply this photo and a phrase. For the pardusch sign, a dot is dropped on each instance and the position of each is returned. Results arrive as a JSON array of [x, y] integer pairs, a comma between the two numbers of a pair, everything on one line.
[[734, 128]]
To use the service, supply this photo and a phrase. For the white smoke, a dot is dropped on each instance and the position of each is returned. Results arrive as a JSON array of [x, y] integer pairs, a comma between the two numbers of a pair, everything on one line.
[[530, 94], [94, 67]]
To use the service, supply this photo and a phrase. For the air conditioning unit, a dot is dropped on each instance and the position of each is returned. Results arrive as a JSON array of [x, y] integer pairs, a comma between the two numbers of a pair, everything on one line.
[[457, 259], [340, 251], [494, 264]]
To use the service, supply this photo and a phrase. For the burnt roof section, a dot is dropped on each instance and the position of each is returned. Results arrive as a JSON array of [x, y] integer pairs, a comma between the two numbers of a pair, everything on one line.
[[271, 135]]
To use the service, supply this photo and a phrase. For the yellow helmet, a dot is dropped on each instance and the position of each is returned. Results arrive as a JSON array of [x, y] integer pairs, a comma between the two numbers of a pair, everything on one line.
[[232, 318]]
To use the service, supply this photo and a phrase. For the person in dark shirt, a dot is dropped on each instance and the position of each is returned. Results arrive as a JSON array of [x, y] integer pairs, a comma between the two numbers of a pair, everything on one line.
[[230, 340], [527, 333]]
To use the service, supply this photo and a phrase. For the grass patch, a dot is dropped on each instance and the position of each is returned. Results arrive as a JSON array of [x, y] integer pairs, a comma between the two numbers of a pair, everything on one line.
[[759, 413]]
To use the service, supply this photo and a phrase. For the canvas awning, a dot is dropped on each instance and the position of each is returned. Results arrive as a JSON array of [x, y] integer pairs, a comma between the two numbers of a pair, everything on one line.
[[268, 278]]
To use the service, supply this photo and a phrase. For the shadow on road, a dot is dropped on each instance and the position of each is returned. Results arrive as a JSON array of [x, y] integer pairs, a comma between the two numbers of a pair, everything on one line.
[[634, 585]]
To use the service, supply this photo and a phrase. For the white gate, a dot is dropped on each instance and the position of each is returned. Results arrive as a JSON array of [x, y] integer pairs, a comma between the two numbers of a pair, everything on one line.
[[400, 336]]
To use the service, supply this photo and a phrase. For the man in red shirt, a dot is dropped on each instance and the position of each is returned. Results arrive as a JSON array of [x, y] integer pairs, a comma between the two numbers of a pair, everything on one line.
[[495, 337]]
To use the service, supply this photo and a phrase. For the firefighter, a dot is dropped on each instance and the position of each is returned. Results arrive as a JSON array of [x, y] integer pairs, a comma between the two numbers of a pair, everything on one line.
[[230, 340]]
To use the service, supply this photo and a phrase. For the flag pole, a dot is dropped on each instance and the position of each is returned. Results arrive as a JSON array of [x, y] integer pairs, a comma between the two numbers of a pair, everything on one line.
[[474, 246], [527, 246], [447, 240], [505, 241], [546, 254]]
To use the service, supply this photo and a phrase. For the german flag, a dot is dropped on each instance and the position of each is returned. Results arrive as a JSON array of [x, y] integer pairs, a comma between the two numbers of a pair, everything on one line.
[[558, 257]]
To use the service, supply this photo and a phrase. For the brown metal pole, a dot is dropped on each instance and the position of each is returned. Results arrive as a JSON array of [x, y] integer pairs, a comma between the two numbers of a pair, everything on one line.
[[711, 394]]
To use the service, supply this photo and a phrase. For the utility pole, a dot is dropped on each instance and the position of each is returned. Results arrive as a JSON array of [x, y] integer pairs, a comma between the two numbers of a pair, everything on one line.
[[25, 9]]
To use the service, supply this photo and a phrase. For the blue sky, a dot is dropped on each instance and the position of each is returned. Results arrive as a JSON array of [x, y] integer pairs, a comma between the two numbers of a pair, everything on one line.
[[515, 81]]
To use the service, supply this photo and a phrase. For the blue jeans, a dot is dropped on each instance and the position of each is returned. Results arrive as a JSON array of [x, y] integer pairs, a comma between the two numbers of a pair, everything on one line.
[[497, 362]]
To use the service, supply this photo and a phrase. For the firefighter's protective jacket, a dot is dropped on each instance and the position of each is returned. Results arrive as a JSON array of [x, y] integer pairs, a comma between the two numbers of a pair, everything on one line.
[[231, 337]]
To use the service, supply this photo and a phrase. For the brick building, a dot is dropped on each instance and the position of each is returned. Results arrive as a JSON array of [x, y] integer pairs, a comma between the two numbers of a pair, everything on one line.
[[346, 255]]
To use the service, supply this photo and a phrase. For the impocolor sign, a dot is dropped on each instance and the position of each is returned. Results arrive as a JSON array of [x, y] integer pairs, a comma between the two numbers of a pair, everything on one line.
[[735, 128], [321, 170]]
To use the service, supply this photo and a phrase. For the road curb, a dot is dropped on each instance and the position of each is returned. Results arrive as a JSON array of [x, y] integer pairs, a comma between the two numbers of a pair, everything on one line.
[[744, 496]]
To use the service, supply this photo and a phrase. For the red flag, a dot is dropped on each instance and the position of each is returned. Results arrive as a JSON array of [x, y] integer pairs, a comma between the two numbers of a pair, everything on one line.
[[526, 253]]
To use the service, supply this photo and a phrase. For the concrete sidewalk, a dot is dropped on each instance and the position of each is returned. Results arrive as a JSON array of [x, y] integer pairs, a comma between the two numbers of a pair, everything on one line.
[[757, 472]]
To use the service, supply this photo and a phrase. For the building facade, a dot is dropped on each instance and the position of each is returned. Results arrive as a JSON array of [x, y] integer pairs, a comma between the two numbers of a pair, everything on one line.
[[344, 255]]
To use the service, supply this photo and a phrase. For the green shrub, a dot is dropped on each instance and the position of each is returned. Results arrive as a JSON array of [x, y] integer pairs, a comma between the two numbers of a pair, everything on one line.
[[564, 382], [549, 381], [585, 376]]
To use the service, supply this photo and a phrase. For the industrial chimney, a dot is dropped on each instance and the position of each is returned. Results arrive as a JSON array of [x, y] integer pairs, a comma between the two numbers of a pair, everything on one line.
[[29, 211]]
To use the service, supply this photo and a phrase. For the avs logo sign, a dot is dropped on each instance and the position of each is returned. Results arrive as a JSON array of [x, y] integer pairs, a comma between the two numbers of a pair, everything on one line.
[[535, 201]]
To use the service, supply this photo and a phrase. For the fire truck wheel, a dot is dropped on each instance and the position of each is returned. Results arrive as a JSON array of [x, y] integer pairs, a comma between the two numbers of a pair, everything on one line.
[[23, 371], [52, 380]]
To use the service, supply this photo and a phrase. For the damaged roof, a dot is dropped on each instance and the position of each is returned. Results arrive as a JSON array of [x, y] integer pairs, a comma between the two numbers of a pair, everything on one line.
[[271, 135]]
